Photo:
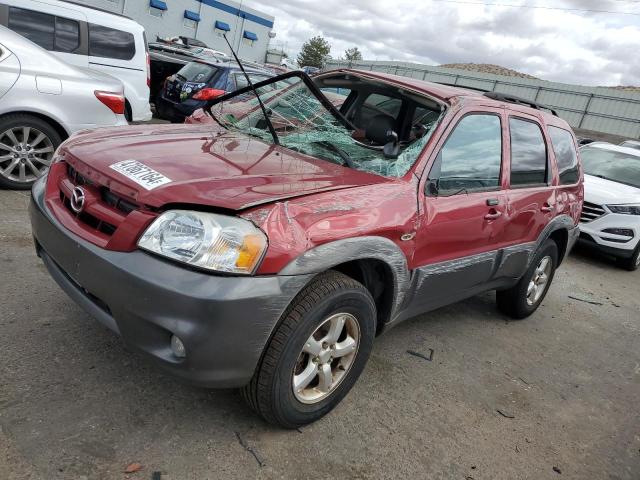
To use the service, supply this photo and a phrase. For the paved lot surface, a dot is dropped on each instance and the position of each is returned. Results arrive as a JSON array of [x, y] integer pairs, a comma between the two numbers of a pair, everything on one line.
[[75, 405]]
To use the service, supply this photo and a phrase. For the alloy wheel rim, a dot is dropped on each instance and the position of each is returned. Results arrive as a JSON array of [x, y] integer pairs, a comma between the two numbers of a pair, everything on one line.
[[539, 281], [638, 259], [25, 154], [326, 358]]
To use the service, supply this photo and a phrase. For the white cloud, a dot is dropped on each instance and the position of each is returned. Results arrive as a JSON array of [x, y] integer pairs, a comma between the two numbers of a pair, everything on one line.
[[563, 46]]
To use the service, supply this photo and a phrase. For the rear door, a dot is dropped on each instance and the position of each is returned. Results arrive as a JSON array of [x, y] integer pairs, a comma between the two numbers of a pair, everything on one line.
[[462, 216], [531, 197]]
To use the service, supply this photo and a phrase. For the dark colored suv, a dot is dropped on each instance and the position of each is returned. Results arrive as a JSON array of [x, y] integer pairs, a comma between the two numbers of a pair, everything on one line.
[[197, 83], [266, 246]]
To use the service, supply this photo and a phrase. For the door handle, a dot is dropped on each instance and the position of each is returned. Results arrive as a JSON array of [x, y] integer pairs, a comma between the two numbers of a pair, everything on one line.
[[492, 215], [547, 208]]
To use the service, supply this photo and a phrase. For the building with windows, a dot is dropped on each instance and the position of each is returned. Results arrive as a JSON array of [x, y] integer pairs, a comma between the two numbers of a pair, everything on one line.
[[247, 29]]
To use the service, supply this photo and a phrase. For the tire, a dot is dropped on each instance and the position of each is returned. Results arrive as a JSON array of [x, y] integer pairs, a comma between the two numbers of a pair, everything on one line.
[[128, 114], [13, 128], [515, 301], [632, 263], [329, 297]]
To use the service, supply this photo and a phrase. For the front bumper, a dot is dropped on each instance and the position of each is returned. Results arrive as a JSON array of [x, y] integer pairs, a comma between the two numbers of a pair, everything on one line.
[[224, 322], [595, 235]]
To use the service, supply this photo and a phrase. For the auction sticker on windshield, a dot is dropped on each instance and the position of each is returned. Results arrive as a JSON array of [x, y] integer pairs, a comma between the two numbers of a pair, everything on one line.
[[144, 176]]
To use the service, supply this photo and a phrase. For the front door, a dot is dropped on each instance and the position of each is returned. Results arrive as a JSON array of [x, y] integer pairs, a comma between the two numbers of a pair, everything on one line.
[[463, 211]]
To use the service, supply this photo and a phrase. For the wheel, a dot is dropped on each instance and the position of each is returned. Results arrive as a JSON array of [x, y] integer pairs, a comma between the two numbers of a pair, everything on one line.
[[27, 144], [526, 296], [128, 114], [316, 354], [632, 263]]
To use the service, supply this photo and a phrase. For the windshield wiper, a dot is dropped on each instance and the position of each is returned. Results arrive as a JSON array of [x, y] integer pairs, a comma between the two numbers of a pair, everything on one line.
[[330, 146], [272, 130]]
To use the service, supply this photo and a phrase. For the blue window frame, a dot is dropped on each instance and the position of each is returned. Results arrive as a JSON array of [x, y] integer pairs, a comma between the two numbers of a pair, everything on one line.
[[222, 26], [250, 36], [189, 15], [159, 4]]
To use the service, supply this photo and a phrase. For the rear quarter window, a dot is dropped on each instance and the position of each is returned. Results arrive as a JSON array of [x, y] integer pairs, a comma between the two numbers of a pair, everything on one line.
[[528, 154], [111, 43], [566, 156]]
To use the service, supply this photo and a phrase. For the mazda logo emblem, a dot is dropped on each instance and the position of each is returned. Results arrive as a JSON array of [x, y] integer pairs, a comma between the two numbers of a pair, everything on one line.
[[77, 199]]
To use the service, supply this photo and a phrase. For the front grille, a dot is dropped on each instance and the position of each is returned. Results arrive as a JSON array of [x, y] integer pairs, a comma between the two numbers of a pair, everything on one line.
[[107, 199], [590, 212]]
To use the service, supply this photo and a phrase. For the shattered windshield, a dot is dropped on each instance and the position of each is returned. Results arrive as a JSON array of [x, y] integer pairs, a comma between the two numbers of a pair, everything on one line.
[[304, 124]]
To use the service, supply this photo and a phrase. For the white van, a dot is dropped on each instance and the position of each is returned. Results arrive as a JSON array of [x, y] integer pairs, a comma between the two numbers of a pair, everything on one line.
[[89, 38]]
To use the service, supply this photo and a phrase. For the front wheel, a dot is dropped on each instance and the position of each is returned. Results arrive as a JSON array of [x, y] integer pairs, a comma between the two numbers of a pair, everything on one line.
[[526, 296], [632, 263], [316, 354]]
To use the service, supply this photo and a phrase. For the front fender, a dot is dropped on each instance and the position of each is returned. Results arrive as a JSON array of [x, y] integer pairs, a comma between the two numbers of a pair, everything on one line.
[[328, 255]]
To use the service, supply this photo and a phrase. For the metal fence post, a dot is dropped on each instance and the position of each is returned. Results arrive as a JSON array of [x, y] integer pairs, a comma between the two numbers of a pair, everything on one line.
[[586, 111]]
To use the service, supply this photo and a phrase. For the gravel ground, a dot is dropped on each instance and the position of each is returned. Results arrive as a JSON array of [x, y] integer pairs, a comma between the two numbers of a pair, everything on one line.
[[554, 396]]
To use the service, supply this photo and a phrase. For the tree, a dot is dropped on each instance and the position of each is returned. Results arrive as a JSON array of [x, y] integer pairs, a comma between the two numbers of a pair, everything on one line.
[[314, 52], [352, 54]]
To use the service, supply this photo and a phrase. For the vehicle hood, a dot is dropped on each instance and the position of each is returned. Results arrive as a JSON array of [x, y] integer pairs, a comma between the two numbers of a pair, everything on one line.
[[601, 191], [205, 165]]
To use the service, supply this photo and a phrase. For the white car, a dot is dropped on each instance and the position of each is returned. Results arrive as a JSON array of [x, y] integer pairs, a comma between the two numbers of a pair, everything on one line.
[[43, 100], [611, 214], [89, 38]]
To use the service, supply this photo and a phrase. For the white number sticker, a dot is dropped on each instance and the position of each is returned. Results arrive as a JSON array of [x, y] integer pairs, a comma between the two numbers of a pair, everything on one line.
[[144, 176]]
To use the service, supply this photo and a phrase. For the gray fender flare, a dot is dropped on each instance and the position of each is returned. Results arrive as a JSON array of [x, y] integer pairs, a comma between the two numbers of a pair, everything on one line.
[[561, 222], [328, 255]]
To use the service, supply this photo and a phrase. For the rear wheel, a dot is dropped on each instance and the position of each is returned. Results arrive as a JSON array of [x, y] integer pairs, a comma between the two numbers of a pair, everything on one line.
[[526, 296], [316, 353], [27, 145], [632, 263]]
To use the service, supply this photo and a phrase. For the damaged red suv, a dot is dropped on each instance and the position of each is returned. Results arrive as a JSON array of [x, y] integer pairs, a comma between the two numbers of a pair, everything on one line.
[[265, 245]]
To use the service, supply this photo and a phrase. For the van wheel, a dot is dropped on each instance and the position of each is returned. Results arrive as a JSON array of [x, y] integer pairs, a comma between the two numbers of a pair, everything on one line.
[[316, 354], [27, 145], [128, 114], [632, 263], [526, 296]]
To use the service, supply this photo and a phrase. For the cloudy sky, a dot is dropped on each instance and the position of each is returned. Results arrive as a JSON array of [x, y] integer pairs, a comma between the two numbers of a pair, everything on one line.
[[589, 48]]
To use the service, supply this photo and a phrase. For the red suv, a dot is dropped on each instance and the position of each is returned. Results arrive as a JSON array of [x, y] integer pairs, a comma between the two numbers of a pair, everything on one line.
[[265, 246]]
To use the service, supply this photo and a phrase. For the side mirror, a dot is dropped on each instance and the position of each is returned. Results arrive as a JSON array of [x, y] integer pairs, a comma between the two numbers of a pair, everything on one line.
[[392, 148], [432, 187]]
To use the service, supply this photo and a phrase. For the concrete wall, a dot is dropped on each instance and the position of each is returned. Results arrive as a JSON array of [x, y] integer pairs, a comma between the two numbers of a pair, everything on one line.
[[591, 108], [172, 22]]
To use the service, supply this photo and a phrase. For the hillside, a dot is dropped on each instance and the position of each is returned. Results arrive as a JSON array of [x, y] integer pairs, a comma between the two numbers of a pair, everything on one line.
[[498, 70]]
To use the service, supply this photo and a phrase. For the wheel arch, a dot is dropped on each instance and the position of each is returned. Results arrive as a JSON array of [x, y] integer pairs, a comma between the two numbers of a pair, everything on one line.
[[57, 126], [376, 262], [559, 230]]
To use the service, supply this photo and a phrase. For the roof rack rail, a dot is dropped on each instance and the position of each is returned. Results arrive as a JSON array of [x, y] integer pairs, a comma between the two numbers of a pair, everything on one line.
[[462, 86], [503, 97]]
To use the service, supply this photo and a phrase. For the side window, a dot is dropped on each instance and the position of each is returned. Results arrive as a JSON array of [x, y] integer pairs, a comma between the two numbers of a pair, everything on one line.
[[528, 154], [566, 156], [67, 35], [110, 43], [471, 158], [36, 26]]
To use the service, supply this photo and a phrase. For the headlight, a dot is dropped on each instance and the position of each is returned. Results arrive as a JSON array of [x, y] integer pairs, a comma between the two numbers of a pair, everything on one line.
[[206, 240], [625, 209]]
